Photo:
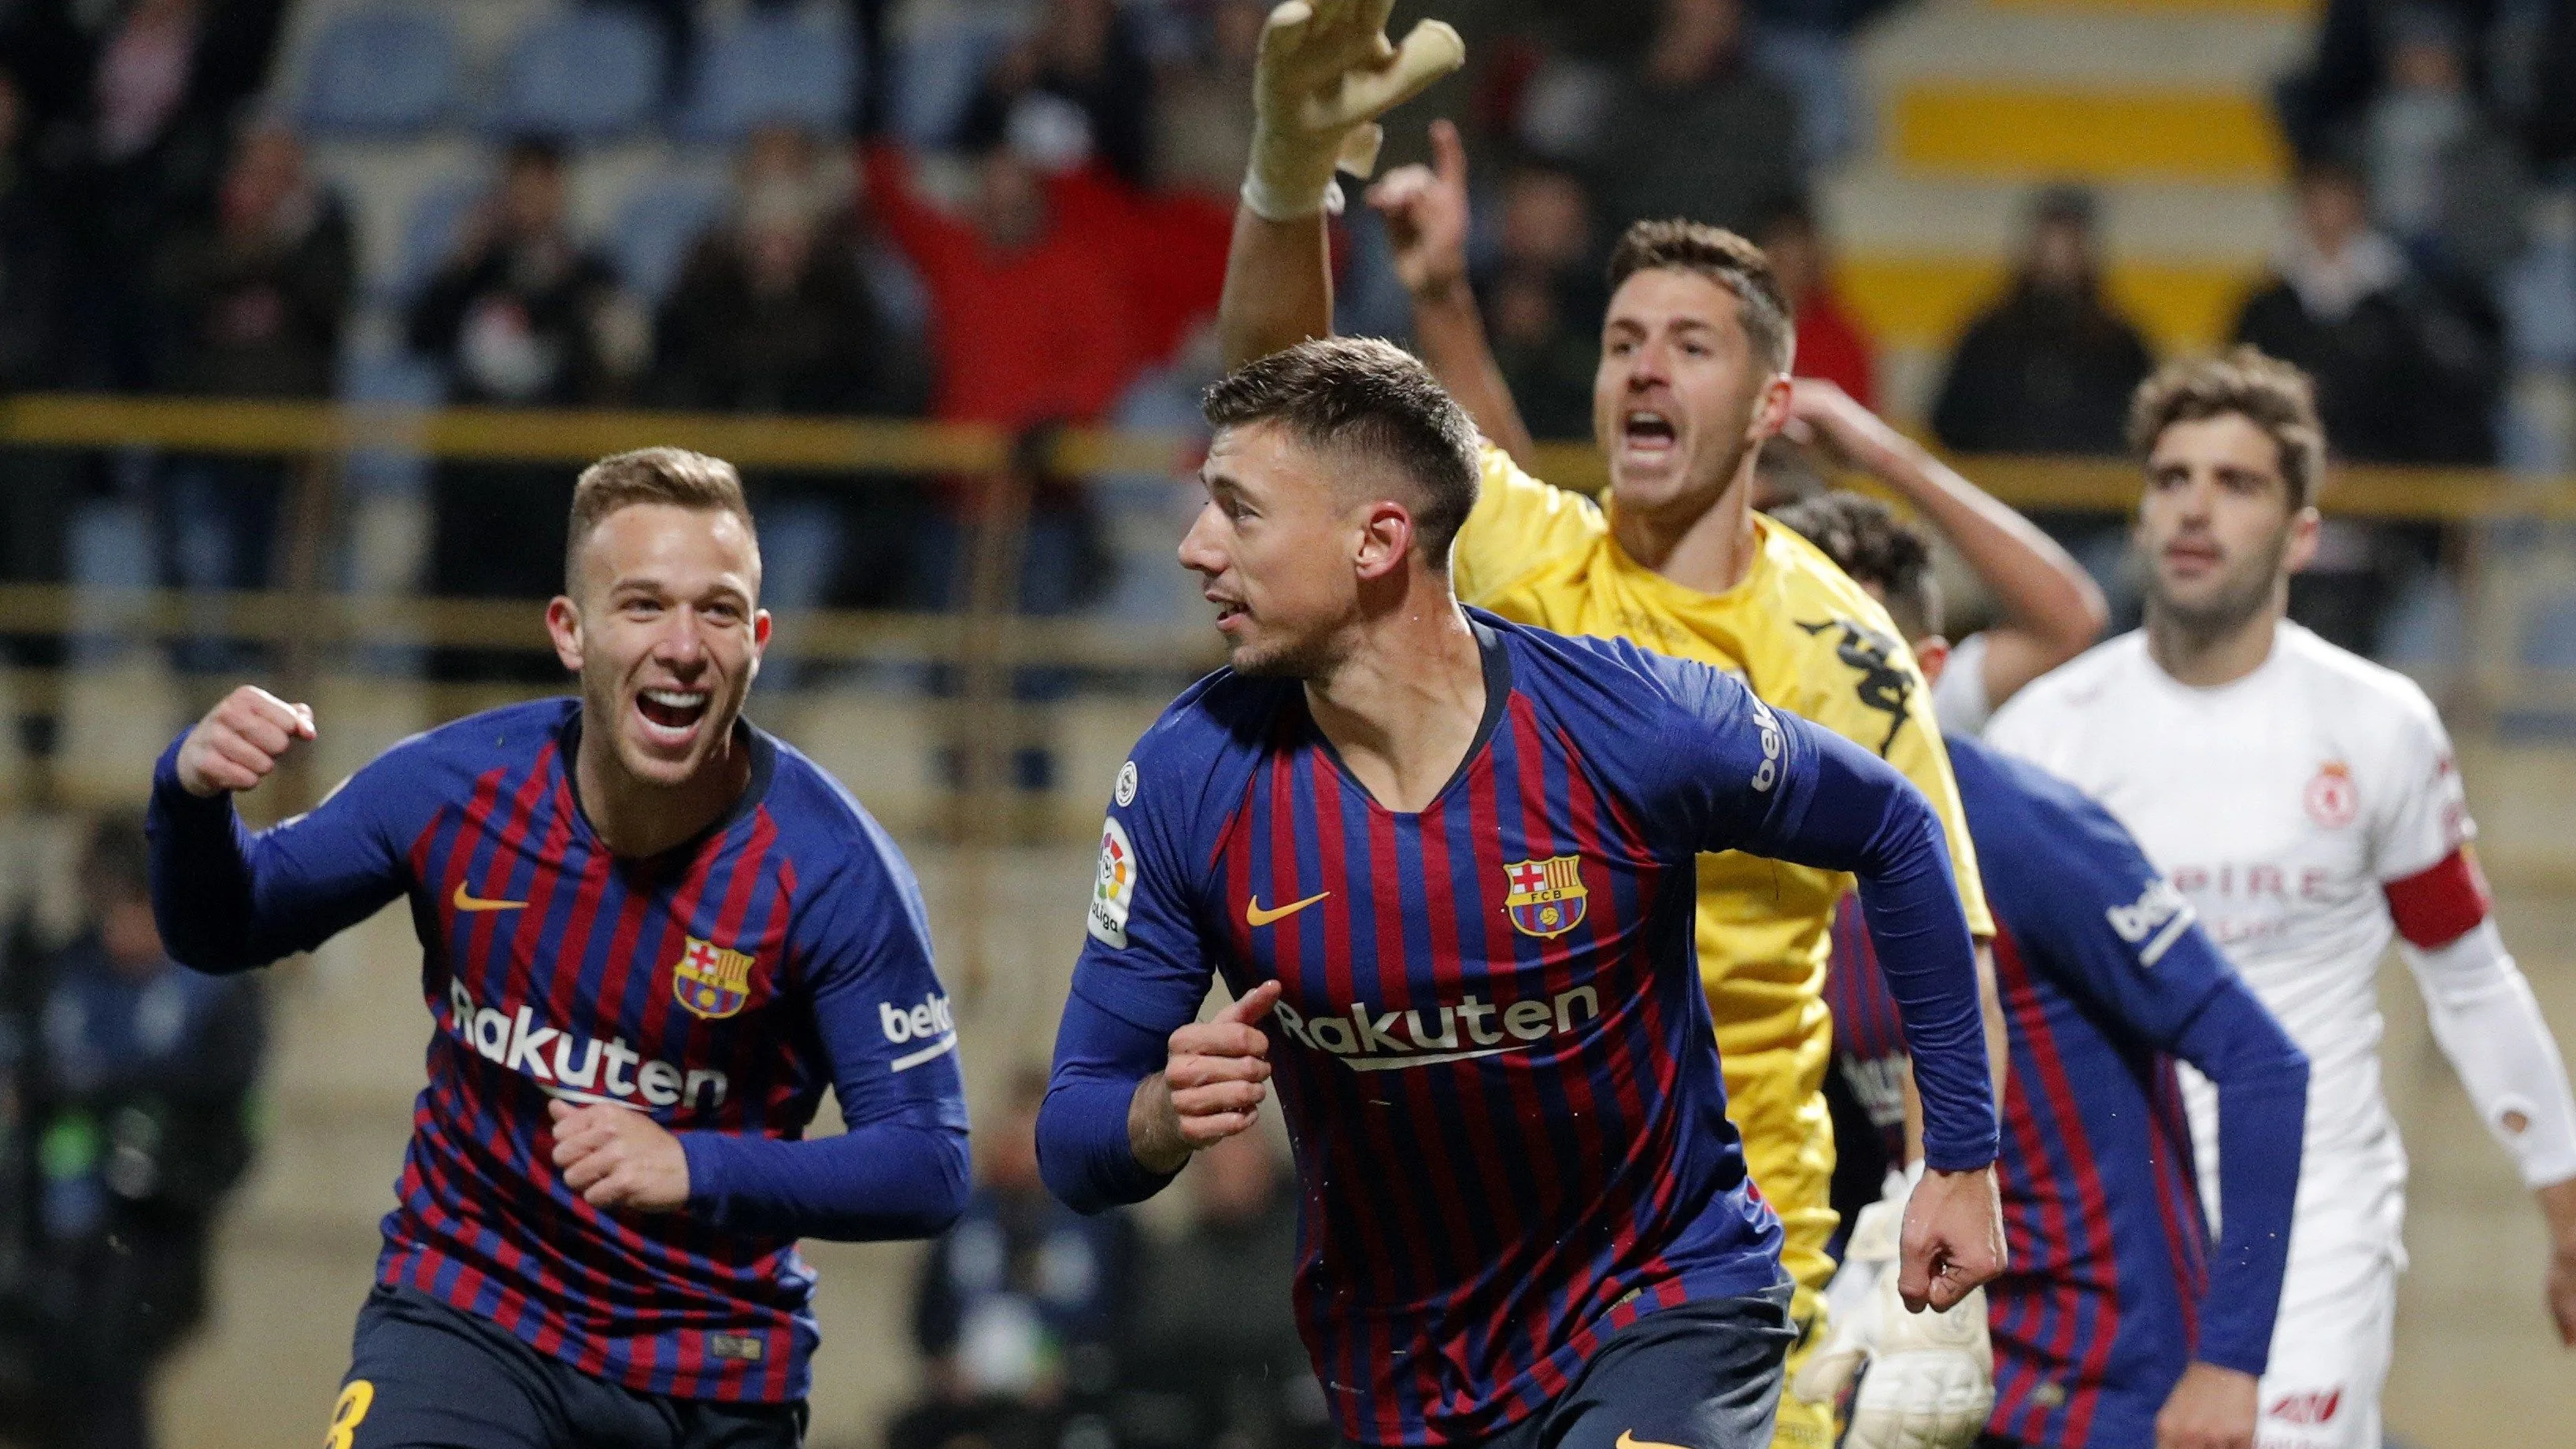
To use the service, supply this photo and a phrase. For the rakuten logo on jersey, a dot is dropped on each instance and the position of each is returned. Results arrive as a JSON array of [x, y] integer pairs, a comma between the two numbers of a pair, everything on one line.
[[928, 1020], [2154, 921], [1369, 1041], [601, 1071]]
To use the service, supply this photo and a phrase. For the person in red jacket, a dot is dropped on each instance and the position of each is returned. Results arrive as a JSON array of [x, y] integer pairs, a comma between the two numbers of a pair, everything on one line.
[[1031, 314], [1831, 342]]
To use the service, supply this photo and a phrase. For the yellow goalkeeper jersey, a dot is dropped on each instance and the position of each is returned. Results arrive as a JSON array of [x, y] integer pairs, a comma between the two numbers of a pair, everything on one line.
[[1805, 638]]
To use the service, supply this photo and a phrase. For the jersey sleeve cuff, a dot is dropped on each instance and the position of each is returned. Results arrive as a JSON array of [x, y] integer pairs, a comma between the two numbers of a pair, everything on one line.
[[1973, 1155], [709, 1183]]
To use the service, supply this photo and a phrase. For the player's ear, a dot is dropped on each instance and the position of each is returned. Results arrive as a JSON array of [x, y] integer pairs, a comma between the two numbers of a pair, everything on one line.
[[1386, 536], [1771, 409], [2302, 549], [759, 639], [1931, 656], [563, 625]]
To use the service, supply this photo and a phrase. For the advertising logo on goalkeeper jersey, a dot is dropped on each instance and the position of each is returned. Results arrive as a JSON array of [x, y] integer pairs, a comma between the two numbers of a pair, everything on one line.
[[709, 980], [1546, 897]]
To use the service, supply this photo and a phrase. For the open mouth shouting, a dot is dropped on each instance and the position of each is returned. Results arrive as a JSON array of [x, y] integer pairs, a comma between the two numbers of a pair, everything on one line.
[[1648, 435], [671, 717]]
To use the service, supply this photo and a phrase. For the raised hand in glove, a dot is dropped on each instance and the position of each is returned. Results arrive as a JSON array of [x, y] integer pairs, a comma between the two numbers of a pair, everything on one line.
[[1325, 74], [1930, 1382]]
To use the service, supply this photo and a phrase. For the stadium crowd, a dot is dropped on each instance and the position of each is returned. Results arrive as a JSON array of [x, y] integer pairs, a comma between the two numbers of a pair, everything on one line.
[[1027, 225]]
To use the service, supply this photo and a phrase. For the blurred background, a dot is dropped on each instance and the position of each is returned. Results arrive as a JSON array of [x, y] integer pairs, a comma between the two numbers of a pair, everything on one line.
[[309, 313]]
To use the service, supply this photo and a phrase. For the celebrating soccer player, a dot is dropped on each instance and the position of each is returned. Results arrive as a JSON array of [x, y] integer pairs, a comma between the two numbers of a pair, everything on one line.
[[651, 934], [1446, 865], [2120, 1323], [1693, 376], [2305, 803]]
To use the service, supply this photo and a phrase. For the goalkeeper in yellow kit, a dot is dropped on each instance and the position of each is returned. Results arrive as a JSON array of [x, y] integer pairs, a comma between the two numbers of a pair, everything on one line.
[[1693, 377]]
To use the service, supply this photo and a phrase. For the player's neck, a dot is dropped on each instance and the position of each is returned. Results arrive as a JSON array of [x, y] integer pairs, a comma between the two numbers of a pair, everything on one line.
[[638, 818], [1704, 546], [1402, 708], [2207, 659]]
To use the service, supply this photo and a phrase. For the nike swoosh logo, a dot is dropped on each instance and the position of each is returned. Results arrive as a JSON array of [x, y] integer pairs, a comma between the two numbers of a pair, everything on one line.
[[471, 904], [1254, 915], [1628, 1440]]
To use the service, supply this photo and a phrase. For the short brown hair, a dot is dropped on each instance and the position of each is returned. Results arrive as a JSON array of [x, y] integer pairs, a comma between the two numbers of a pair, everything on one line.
[[1724, 258], [1866, 540], [1362, 397], [650, 475], [2273, 395]]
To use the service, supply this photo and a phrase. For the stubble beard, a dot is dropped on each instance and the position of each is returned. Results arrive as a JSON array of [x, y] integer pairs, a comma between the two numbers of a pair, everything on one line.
[[2242, 594]]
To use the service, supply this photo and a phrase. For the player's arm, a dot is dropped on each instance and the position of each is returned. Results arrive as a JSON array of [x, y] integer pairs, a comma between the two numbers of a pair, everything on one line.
[[2489, 1024], [2106, 926], [2052, 609], [1426, 223], [1138, 1083], [898, 1169], [1765, 781], [1326, 72], [230, 899], [2481, 1008]]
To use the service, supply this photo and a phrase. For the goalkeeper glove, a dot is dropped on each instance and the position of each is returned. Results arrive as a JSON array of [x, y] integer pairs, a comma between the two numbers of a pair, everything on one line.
[[1931, 1376], [1325, 74]]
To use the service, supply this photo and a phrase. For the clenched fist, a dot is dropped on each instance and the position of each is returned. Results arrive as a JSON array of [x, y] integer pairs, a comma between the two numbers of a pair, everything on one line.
[[240, 741], [616, 1157]]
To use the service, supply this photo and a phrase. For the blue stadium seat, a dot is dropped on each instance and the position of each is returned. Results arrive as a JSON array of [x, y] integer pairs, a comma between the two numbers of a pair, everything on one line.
[[773, 67], [656, 225], [936, 70], [380, 73], [582, 75]]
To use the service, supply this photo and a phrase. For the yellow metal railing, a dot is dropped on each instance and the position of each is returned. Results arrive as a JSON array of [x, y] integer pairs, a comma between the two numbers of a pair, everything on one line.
[[985, 640]]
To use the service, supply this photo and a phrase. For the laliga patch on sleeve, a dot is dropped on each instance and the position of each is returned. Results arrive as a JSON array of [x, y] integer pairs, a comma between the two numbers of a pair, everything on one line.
[[1113, 890]]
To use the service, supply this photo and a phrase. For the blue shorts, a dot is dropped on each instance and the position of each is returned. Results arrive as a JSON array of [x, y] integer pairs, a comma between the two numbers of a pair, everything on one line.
[[423, 1375], [1705, 1375]]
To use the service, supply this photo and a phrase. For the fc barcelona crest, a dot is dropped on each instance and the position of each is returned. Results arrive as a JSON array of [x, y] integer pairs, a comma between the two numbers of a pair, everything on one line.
[[1547, 896], [710, 980]]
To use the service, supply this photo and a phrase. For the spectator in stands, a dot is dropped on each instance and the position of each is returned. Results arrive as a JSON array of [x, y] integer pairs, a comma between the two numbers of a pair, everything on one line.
[[1698, 133], [1088, 53], [1830, 343], [1019, 1309], [1202, 115], [1542, 296], [772, 313], [2049, 368], [1215, 1361], [143, 1087], [521, 315], [133, 107], [2406, 372], [2445, 182], [37, 488], [257, 295], [1029, 295]]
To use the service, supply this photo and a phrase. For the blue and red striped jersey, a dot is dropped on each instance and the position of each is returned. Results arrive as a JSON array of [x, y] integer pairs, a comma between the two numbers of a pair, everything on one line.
[[719, 987], [1491, 1050], [2114, 1285]]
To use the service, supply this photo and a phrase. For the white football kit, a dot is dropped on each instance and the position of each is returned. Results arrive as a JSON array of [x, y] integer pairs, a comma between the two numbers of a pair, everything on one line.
[[2310, 812]]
